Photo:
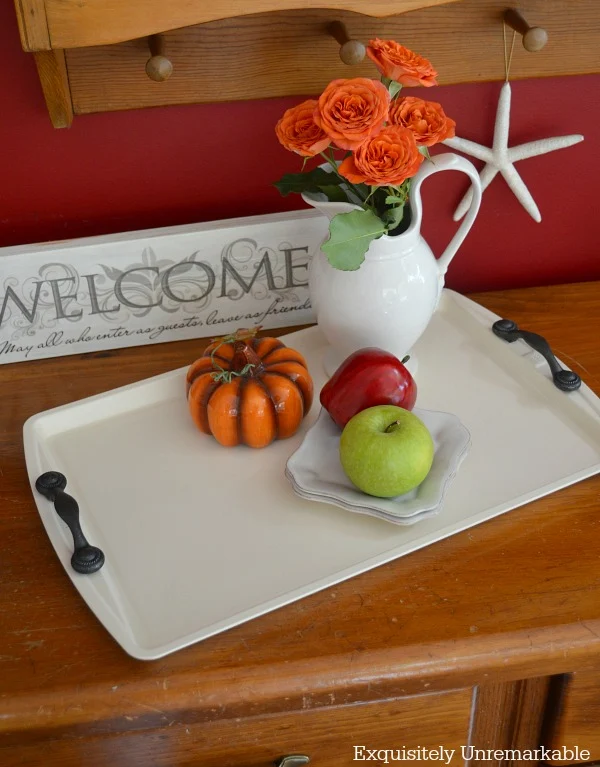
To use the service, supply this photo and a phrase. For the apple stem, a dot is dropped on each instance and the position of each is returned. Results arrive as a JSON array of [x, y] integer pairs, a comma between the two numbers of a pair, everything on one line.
[[404, 360], [392, 426]]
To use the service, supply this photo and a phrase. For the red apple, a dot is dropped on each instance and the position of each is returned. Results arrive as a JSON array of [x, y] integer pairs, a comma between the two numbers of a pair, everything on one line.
[[367, 378]]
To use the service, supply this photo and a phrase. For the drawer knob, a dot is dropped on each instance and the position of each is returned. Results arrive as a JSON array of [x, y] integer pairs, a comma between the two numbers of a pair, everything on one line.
[[292, 760]]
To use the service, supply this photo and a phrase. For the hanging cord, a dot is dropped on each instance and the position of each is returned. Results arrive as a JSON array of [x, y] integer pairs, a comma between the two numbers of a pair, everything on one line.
[[507, 59]]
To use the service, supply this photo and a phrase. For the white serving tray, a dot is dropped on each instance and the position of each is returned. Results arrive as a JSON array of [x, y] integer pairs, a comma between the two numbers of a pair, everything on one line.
[[200, 538]]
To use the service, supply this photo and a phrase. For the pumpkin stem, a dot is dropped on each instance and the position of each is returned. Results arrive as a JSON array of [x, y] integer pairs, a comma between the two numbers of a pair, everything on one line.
[[240, 365], [245, 360]]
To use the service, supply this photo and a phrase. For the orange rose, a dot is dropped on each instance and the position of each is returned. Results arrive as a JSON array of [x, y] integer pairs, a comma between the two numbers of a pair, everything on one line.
[[298, 131], [351, 111], [426, 119], [387, 159], [398, 63]]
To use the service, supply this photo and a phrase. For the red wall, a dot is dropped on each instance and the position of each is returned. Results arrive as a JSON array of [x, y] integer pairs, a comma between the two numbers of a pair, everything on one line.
[[157, 167]]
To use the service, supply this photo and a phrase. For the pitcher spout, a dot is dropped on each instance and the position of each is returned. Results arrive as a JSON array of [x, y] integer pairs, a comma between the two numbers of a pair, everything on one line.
[[319, 201]]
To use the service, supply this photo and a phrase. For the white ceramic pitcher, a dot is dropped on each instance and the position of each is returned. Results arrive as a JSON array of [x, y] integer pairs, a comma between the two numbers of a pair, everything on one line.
[[390, 299]]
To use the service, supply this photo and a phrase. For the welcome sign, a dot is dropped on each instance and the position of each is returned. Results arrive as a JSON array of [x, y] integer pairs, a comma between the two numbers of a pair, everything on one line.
[[158, 285]]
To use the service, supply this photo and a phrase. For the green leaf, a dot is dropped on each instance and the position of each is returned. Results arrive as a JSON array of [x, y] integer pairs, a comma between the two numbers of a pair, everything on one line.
[[358, 193], [350, 235], [306, 182], [394, 88], [391, 199], [425, 151], [292, 182], [334, 193], [393, 217]]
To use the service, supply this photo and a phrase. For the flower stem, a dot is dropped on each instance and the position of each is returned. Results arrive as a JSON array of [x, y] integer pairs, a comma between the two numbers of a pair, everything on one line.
[[371, 193], [332, 163]]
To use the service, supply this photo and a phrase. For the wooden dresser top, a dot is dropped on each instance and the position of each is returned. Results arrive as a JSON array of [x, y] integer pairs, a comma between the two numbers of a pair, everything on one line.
[[517, 596]]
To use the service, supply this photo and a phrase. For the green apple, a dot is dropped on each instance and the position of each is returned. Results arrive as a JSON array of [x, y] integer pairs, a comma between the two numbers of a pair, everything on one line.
[[386, 451]]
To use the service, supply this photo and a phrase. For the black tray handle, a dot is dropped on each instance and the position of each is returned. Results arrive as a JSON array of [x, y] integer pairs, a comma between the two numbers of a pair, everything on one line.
[[565, 380], [86, 559]]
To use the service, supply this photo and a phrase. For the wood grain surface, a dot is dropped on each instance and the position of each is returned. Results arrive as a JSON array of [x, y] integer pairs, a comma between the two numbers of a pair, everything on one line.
[[73, 23], [514, 598], [33, 25], [326, 736], [285, 54], [579, 716], [508, 715], [53, 76]]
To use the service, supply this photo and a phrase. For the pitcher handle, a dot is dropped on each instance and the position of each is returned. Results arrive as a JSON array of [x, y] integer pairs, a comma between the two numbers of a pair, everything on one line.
[[448, 161]]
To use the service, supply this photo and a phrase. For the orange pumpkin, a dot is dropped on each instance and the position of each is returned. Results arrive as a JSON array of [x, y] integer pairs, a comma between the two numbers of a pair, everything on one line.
[[247, 390]]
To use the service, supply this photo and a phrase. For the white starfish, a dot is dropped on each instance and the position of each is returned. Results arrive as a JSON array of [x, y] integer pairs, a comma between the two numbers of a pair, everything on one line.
[[500, 157]]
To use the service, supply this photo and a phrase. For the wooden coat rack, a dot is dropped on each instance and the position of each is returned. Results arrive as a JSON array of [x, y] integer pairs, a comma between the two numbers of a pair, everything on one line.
[[98, 57]]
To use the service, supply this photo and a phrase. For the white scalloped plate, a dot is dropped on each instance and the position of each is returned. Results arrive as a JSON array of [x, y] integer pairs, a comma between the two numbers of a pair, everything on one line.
[[313, 498], [315, 470]]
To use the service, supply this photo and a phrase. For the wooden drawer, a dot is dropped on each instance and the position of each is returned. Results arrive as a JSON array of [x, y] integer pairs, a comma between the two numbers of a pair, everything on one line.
[[578, 723], [327, 736]]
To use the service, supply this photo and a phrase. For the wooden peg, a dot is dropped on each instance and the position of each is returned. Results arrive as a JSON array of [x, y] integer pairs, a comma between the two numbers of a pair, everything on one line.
[[351, 51], [534, 38], [158, 66]]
